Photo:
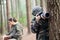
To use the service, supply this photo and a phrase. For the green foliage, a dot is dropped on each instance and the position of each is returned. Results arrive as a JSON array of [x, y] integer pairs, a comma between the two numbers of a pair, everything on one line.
[[13, 14], [23, 20]]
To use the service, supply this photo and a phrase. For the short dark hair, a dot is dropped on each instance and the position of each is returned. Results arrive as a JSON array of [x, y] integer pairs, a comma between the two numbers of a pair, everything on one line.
[[10, 19], [14, 19]]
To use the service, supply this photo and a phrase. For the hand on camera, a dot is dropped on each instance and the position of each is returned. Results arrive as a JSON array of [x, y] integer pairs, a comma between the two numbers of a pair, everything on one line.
[[37, 18]]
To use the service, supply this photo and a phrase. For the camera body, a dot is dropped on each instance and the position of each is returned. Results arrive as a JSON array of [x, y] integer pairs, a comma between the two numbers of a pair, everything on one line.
[[45, 15]]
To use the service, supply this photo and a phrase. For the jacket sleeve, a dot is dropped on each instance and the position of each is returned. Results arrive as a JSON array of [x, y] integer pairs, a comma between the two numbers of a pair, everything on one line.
[[34, 26], [20, 28], [12, 32]]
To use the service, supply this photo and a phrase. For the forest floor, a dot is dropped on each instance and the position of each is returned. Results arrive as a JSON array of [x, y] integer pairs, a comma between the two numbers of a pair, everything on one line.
[[25, 36]]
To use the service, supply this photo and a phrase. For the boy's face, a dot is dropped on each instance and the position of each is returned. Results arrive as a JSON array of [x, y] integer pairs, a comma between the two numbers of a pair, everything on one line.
[[10, 22]]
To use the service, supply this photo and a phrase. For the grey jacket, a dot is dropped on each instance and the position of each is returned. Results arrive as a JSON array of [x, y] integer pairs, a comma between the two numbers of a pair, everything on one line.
[[13, 31], [16, 30]]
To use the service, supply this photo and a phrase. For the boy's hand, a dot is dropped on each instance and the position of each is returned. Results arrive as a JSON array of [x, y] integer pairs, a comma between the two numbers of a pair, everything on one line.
[[37, 18]]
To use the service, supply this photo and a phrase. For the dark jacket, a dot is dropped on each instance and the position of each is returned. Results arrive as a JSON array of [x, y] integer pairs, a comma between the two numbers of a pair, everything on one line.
[[41, 29]]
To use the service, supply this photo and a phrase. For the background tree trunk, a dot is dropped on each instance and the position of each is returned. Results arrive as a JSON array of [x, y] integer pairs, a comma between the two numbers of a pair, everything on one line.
[[8, 12], [36, 2], [28, 6], [1, 31], [41, 3], [44, 5]]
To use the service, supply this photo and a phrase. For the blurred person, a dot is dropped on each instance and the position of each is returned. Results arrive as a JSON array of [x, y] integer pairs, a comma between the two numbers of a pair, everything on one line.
[[14, 32], [40, 24]]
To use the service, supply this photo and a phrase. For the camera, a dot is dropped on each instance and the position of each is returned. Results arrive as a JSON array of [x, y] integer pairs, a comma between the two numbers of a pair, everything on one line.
[[45, 15]]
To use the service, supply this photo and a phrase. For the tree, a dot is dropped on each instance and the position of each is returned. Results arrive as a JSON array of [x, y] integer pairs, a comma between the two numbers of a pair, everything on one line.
[[7, 12], [53, 7], [0, 2], [28, 6], [1, 17], [41, 3], [44, 5], [17, 9], [4, 17], [36, 2]]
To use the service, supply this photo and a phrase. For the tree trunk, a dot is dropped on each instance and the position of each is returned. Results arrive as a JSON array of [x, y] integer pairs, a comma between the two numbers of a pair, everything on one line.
[[54, 10], [1, 31], [41, 3], [28, 6], [44, 5], [36, 2], [7, 11], [17, 13], [12, 11]]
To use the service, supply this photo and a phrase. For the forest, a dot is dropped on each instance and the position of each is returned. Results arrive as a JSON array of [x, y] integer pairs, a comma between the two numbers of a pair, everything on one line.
[[22, 10]]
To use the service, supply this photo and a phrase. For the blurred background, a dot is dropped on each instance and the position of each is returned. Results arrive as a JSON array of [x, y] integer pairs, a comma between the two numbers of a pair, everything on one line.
[[17, 9], [22, 10]]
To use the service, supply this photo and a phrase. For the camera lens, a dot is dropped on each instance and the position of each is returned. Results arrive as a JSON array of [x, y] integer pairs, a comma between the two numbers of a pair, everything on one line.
[[47, 14]]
